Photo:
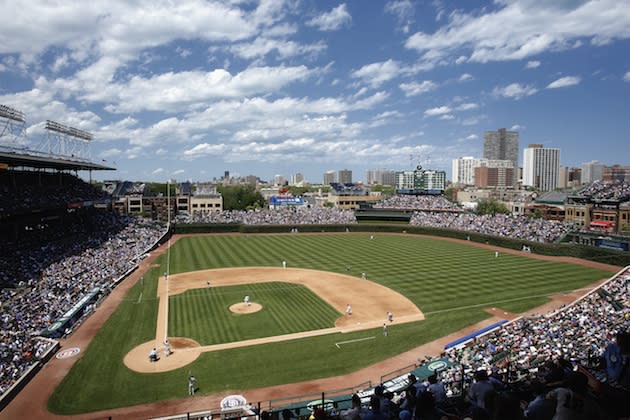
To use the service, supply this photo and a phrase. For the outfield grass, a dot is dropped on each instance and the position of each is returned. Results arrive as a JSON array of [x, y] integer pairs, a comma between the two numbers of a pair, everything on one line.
[[204, 315], [450, 282]]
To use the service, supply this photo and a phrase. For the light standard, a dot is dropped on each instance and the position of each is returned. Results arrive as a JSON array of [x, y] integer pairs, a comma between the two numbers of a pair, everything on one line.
[[168, 203]]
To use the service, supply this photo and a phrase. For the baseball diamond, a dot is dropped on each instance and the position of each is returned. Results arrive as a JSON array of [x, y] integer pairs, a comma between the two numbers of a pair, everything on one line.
[[450, 284]]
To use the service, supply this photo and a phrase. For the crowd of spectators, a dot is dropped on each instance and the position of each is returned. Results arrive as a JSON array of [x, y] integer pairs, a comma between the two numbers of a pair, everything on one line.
[[27, 191], [512, 226], [602, 190], [528, 369], [541, 354], [43, 280], [281, 216], [418, 202]]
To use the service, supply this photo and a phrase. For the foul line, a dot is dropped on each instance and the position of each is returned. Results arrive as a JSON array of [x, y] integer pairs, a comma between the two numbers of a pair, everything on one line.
[[139, 298], [480, 305], [353, 341]]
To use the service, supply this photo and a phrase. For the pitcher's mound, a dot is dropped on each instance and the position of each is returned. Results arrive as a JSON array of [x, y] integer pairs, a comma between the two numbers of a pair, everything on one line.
[[243, 308]]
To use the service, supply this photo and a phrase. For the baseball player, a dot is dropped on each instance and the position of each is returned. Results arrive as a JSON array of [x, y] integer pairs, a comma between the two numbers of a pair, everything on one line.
[[390, 316], [167, 348], [348, 309], [246, 300], [384, 330], [191, 385]]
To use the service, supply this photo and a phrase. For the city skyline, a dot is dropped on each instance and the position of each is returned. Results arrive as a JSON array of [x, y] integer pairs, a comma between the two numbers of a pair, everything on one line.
[[191, 89]]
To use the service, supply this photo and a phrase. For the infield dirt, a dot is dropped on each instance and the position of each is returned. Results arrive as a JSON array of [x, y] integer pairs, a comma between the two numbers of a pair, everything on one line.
[[370, 304]]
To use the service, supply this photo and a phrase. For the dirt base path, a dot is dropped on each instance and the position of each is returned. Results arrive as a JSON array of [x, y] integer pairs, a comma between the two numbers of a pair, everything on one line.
[[370, 303], [31, 402]]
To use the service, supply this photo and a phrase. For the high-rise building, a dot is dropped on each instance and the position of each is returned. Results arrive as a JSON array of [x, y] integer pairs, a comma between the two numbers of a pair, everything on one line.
[[495, 174], [345, 176], [297, 178], [380, 176], [464, 170], [330, 177], [278, 180], [541, 167], [501, 145], [592, 171]]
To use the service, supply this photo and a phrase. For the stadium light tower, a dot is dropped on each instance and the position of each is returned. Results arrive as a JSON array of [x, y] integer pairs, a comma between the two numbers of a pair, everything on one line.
[[63, 140], [12, 124]]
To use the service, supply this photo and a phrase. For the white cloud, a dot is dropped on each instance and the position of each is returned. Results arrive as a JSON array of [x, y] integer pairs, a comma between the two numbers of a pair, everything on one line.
[[415, 88], [514, 90], [110, 153], [467, 107], [517, 127], [333, 20], [204, 149], [626, 77], [532, 64], [461, 59], [183, 52], [375, 74], [157, 171], [441, 110], [125, 28], [261, 47], [564, 82], [171, 91], [465, 77], [178, 172], [447, 117], [404, 11], [472, 137], [516, 30]]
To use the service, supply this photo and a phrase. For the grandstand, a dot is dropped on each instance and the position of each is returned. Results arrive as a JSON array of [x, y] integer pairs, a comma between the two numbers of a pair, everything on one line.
[[57, 232]]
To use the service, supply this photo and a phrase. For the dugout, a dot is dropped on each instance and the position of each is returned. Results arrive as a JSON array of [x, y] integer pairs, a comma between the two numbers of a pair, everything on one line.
[[58, 327]]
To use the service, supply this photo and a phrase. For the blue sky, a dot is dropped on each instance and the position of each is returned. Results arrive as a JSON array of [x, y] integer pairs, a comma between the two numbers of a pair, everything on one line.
[[192, 88]]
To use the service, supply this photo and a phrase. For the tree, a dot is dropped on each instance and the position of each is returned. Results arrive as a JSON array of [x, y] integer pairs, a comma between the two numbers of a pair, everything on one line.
[[240, 197], [492, 207], [297, 191]]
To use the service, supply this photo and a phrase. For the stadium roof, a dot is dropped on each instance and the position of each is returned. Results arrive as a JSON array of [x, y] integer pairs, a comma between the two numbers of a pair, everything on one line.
[[14, 159]]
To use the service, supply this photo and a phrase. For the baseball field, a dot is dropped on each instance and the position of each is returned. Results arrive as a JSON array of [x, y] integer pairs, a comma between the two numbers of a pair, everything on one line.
[[292, 329]]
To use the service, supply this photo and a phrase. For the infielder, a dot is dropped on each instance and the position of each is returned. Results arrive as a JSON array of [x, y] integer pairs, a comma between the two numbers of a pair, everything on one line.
[[167, 348], [348, 309]]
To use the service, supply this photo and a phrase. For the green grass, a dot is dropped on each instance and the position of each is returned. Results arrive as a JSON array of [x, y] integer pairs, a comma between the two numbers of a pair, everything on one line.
[[204, 315], [451, 283]]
